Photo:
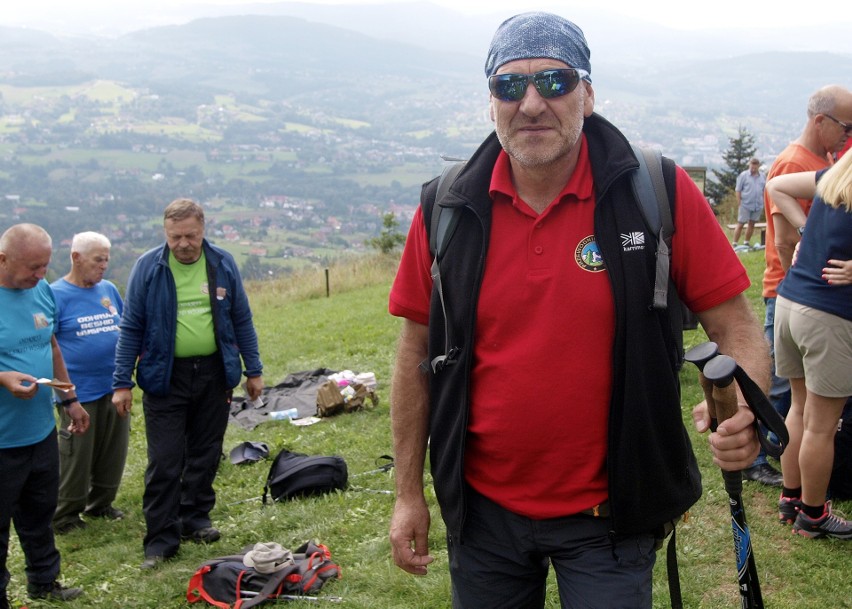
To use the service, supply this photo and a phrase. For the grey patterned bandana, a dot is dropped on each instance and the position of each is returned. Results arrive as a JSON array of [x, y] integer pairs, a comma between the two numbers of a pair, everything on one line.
[[538, 36]]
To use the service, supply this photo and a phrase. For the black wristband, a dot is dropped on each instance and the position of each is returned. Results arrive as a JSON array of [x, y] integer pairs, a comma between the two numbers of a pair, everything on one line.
[[68, 402]]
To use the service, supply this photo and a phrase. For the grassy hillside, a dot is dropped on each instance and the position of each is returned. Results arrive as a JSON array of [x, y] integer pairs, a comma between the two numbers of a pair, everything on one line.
[[300, 328]]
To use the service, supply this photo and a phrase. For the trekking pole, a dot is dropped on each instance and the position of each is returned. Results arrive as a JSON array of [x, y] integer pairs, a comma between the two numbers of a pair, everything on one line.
[[249, 500], [294, 597], [382, 468], [700, 355], [720, 371], [312, 599]]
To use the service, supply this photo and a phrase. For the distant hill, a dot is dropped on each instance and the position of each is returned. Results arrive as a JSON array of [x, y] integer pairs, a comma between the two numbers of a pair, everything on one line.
[[421, 66], [302, 128]]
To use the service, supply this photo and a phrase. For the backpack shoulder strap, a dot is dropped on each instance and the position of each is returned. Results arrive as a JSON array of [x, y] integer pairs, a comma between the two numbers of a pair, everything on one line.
[[271, 588], [443, 224], [650, 190]]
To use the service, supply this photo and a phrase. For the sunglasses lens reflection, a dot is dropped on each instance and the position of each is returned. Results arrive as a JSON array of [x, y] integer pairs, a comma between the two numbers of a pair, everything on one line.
[[548, 83]]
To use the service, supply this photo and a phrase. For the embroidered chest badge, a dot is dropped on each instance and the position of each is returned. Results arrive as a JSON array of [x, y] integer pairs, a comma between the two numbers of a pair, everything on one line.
[[588, 256], [106, 303], [40, 321]]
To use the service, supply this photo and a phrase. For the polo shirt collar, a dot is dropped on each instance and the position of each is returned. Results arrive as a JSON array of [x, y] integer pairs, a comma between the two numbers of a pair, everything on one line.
[[580, 185]]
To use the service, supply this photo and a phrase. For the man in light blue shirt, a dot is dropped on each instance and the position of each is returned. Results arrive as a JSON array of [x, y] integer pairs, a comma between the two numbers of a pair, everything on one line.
[[749, 191]]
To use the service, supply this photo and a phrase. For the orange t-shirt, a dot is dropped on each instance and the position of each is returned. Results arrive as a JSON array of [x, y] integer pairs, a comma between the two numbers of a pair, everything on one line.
[[795, 158]]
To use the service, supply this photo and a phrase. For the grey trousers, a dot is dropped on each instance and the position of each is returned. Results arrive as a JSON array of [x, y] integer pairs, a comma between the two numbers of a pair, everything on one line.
[[91, 464]]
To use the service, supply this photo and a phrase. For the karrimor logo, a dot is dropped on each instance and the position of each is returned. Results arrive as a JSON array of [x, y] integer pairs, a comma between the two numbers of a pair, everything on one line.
[[633, 241]]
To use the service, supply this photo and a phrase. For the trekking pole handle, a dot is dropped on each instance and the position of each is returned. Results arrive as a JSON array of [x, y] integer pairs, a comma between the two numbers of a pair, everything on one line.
[[720, 371], [700, 355]]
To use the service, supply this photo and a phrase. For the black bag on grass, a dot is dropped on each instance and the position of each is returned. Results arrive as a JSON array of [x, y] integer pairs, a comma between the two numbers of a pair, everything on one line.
[[226, 582], [299, 475]]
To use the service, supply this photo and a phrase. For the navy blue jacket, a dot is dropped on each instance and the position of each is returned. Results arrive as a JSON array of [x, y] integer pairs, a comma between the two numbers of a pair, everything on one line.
[[148, 325]]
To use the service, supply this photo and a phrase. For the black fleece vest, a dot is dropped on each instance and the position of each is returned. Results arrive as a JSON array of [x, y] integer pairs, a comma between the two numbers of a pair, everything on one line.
[[653, 476]]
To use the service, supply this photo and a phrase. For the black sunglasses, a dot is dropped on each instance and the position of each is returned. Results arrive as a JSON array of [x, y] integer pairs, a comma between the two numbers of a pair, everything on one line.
[[548, 83], [847, 128]]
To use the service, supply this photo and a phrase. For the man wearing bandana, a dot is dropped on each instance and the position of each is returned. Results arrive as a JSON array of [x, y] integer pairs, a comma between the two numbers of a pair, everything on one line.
[[553, 425]]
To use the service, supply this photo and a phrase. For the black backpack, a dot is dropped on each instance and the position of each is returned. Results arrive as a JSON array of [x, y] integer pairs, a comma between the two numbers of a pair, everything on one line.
[[299, 475]]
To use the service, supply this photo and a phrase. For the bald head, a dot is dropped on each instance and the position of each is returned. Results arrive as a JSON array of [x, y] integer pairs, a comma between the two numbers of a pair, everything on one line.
[[20, 234], [25, 251], [828, 99], [829, 120]]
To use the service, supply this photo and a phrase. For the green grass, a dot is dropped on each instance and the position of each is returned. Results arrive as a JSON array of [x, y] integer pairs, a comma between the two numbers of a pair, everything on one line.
[[301, 329]]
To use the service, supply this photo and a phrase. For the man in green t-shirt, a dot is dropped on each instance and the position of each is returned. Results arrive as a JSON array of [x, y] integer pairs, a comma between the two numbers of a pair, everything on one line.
[[187, 331]]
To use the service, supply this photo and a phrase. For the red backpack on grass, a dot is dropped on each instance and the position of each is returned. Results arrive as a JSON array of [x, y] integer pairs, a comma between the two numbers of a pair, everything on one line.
[[227, 582]]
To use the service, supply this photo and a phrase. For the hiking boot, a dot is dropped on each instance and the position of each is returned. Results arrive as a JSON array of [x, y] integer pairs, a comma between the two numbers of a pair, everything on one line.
[[109, 512], [788, 508], [764, 474], [152, 562], [67, 527], [828, 525], [205, 535], [54, 591]]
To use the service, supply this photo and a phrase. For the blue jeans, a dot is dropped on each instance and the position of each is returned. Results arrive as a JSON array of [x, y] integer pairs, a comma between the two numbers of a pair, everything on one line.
[[503, 560], [779, 389]]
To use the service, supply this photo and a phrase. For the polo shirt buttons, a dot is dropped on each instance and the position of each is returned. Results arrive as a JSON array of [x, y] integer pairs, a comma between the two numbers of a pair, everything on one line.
[[538, 250]]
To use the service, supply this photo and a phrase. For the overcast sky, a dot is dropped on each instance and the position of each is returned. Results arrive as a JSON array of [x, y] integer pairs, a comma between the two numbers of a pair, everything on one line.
[[673, 13]]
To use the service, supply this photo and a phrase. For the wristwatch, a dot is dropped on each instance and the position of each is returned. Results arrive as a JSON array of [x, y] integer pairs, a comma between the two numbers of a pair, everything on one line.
[[801, 230], [68, 402]]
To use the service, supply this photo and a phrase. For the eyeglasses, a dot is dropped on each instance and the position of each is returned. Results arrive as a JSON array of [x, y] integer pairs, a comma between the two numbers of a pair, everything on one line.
[[548, 83], [847, 128]]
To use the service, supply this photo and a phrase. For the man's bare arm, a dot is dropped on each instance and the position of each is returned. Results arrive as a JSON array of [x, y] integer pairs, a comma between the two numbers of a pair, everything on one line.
[[409, 530]]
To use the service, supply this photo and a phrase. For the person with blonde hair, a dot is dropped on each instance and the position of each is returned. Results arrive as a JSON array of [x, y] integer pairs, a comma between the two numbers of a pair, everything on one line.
[[829, 114], [813, 341]]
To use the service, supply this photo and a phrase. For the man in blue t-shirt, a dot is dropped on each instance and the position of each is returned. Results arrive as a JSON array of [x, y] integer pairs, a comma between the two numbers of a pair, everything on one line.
[[88, 313], [30, 363]]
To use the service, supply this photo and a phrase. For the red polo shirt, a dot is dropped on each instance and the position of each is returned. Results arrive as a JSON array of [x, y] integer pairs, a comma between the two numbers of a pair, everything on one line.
[[541, 378]]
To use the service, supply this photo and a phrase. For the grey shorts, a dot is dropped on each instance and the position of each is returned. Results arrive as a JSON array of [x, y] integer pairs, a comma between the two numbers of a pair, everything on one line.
[[815, 345], [747, 215]]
